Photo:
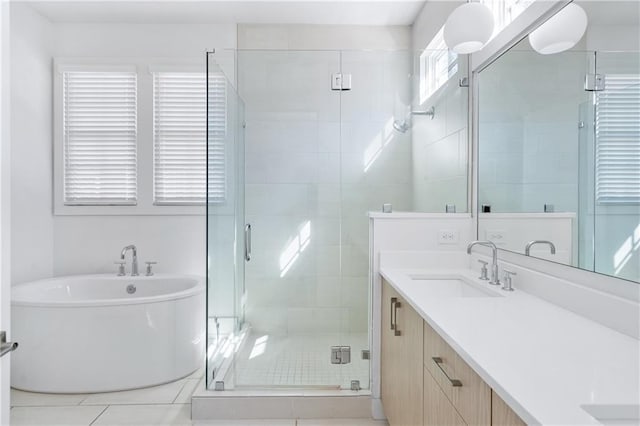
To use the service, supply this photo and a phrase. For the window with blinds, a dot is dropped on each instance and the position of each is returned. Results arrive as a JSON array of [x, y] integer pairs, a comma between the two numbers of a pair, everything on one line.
[[99, 138], [180, 146], [618, 140]]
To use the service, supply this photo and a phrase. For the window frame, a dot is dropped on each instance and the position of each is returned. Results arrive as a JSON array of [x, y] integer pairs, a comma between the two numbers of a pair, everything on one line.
[[145, 175], [428, 62]]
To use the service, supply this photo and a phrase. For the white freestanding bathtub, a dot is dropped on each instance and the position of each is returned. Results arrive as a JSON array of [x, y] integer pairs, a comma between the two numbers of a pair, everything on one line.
[[100, 333]]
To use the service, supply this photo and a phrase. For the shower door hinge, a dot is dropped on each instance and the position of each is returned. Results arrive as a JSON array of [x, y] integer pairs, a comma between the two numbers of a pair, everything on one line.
[[340, 354], [594, 82], [340, 81], [366, 354], [219, 385]]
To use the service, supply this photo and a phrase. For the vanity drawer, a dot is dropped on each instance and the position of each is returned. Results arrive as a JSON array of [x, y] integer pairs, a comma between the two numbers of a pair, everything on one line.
[[439, 359], [468, 393], [438, 410]]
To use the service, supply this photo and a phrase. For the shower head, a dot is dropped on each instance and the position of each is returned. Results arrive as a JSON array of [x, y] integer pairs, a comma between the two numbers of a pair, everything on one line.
[[401, 126], [431, 112]]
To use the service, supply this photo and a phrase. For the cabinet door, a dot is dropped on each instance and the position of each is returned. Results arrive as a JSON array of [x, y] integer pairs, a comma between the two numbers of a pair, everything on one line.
[[410, 360], [501, 414], [438, 410], [400, 360], [472, 399], [389, 386]]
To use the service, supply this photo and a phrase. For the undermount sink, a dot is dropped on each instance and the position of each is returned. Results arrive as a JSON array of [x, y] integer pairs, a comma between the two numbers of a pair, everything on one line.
[[452, 287], [612, 414]]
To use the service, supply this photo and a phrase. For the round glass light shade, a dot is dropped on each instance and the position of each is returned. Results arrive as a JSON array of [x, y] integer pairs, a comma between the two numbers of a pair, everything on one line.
[[468, 28], [560, 32]]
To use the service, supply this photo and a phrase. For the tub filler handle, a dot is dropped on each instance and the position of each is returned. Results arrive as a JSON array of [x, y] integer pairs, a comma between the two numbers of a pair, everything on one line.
[[6, 347]]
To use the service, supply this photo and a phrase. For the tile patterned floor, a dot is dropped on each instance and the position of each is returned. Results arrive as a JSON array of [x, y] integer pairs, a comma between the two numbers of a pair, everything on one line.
[[300, 360], [163, 405]]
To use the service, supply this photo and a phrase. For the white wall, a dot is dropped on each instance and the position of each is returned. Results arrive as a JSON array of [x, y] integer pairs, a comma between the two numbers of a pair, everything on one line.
[[5, 206], [31, 145], [90, 244]]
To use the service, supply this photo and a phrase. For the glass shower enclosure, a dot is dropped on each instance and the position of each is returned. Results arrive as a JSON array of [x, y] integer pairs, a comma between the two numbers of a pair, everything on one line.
[[306, 158]]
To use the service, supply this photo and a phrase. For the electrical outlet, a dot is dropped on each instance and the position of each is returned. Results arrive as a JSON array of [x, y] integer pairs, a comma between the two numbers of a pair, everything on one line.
[[447, 236], [496, 236]]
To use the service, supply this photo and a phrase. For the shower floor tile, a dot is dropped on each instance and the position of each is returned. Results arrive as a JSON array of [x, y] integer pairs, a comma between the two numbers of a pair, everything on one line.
[[299, 361]]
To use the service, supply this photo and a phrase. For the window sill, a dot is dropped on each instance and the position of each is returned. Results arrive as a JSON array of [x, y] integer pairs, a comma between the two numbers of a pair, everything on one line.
[[62, 210]]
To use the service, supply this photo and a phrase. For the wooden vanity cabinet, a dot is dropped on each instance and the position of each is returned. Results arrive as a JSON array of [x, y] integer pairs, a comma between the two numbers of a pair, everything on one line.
[[401, 361], [468, 393], [424, 381], [501, 414]]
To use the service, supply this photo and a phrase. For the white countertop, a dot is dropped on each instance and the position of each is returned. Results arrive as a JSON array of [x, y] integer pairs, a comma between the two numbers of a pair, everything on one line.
[[542, 360]]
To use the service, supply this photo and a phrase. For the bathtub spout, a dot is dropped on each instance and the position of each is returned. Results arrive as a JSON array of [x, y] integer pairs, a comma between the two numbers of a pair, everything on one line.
[[134, 260]]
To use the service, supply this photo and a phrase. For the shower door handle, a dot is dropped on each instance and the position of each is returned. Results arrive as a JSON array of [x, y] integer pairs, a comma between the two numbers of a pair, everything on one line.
[[6, 347], [247, 242]]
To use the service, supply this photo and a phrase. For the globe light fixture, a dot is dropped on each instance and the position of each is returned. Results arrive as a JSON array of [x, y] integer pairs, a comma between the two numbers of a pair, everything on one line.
[[560, 32], [468, 28]]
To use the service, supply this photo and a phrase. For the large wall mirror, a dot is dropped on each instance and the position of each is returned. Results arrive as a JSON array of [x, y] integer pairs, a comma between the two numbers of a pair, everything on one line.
[[559, 147]]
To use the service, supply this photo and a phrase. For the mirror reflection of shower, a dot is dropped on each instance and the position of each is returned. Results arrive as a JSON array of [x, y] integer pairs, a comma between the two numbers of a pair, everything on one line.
[[403, 126]]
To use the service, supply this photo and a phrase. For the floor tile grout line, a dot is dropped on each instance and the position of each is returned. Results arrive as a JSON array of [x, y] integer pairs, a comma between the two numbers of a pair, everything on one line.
[[180, 391], [98, 416]]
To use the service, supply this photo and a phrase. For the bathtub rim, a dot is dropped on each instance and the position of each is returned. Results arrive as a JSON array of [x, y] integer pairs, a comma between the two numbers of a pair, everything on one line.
[[197, 289]]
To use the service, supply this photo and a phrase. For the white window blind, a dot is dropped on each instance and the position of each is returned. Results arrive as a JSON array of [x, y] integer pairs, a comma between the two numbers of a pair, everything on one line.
[[99, 131], [618, 140], [180, 150]]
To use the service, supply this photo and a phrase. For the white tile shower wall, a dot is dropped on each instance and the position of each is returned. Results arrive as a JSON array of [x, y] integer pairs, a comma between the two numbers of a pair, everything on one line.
[[317, 161], [322, 37], [417, 232], [31, 141], [90, 244], [439, 145], [528, 155]]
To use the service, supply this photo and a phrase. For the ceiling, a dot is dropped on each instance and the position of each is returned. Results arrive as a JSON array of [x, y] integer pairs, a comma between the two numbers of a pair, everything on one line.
[[327, 12]]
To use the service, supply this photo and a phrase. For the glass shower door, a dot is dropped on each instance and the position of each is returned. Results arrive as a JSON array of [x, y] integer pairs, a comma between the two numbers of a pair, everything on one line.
[[293, 280], [225, 221]]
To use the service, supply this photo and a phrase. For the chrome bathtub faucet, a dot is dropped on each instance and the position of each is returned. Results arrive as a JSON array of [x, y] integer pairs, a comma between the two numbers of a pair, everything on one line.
[[134, 260]]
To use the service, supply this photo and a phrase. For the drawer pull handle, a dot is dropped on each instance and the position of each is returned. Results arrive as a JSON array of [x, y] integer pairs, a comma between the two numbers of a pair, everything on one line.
[[454, 382], [396, 305], [393, 302]]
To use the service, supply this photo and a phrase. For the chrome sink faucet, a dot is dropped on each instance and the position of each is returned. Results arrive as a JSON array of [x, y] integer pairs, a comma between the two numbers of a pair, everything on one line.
[[134, 260], [527, 248], [495, 279]]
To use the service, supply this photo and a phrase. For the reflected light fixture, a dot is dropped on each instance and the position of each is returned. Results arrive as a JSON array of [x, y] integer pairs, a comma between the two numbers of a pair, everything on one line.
[[560, 32], [468, 28]]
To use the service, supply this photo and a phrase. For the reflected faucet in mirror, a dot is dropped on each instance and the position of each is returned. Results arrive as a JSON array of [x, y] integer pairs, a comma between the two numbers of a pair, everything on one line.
[[527, 248], [495, 279]]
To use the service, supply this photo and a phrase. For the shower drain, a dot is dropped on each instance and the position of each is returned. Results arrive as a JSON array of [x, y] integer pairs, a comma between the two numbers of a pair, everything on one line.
[[131, 289]]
